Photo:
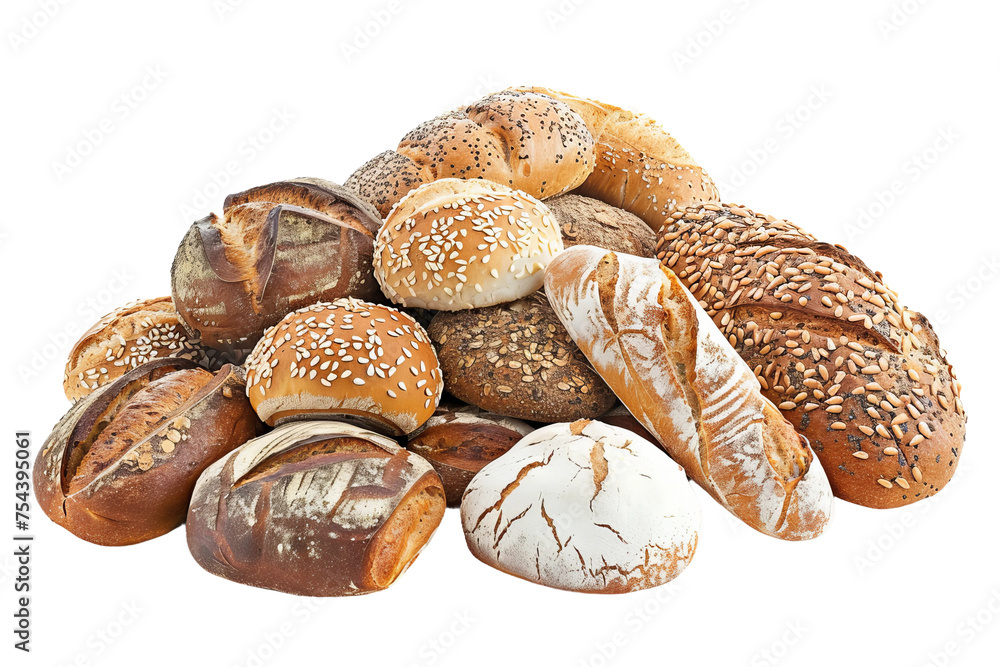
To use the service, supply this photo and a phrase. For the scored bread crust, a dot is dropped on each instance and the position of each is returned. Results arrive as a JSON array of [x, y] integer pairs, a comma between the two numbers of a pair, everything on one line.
[[639, 167], [526, 141], [345, 518], [859, 374], [670, 366]]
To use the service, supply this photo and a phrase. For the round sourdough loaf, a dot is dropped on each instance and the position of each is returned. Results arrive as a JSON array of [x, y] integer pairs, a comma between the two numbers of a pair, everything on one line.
[[526, 141], [859, 374], [120, 466], [348, 360], [455, 244], [517, 359], [315, 508], [236, 275], [583, 507]]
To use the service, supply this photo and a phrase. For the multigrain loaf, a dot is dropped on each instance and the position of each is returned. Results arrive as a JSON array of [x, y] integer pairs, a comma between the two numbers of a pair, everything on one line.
[[639, 167], [668, 363], [517, 359], [855, 371], [525, 141], [583, 507], [315, 508]]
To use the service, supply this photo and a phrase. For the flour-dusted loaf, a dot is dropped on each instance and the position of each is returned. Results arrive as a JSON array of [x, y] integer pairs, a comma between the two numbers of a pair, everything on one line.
[[315, 508], [583, 507], [855, 371], [673, 369]]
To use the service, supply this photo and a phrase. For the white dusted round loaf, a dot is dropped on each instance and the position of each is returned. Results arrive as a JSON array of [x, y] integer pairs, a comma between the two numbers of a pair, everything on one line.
[[583, 507], [454, 244]]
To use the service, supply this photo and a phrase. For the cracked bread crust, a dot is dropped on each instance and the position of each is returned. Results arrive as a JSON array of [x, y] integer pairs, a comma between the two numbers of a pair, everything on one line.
[[550, 511]]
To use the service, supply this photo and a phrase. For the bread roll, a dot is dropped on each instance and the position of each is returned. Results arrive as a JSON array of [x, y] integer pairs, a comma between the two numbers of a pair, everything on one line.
[[666, 361], [315, 508], [235, 276], [524, 141], [455, 244], [855, 371], [129, 337], [120, 466], [586, 221], [516, 359], [583, 507], [459, 444], [639, 167], [348, 360]]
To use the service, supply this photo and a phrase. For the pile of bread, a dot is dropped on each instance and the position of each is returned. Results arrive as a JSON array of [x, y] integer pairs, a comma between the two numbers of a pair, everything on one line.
[[534, 308]]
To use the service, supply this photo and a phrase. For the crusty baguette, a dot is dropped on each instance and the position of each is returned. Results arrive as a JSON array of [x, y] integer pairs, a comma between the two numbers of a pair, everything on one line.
[[855, 371], [667, 362]]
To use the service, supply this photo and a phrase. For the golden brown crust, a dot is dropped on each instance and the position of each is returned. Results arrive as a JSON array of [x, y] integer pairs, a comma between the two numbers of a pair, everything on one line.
[[516, 359], [120, 466], [126, 338], [587, 221], [639, 167], [857, 373]]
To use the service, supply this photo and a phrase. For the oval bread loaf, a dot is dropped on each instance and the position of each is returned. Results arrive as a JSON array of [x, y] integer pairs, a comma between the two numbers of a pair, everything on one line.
[[668, 363], [855, 371]]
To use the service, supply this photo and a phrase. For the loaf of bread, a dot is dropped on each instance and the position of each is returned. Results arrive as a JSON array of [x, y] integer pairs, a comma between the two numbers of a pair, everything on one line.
[[525, 141], [587, 221], [583, 507], [234, 276], [670, 366], [315, 508], [639, 167], [455, 244], [349, 361], [120, 466], [127, 338], [855, 371]]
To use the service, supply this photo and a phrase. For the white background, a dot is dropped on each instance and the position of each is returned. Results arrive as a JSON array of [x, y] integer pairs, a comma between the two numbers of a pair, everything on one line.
[[806, 110]]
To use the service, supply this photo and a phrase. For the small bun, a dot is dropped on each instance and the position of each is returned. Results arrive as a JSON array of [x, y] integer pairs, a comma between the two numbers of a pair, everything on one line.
[[387, 178], [586, 221], [517, 359], [127, 338], [455, 244], [348, 360]]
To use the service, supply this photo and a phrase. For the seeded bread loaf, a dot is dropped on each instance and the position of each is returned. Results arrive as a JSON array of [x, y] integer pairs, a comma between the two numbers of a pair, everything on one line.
[[522, 140], [676, 374], [639, 167], [855, 371]]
